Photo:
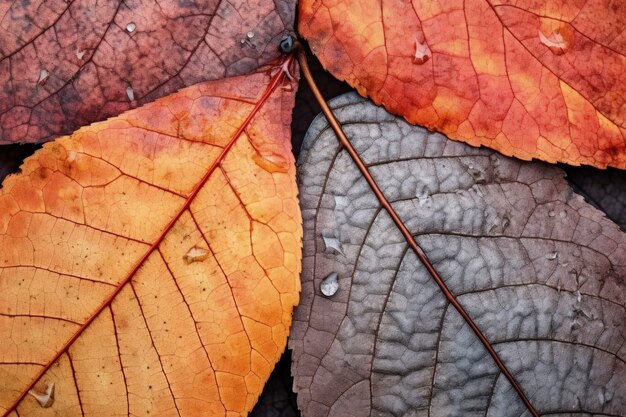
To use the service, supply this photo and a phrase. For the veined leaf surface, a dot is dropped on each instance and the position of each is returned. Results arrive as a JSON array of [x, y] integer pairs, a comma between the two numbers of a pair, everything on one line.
[[65, 64], [149, 263], [540, 271], [532, 79]]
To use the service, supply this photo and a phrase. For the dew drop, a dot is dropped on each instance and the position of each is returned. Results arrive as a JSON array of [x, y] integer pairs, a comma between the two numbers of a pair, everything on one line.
[[554, 41], [130, 93], [422, 53], [43, 77], [196, 254], [329, 285], [45, 399], [552, 255], [130, 28], [332, 243], [422, 196]]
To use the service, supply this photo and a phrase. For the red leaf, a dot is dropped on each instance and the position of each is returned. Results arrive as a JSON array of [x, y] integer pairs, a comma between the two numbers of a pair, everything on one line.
[[67, 64], [528, 79]]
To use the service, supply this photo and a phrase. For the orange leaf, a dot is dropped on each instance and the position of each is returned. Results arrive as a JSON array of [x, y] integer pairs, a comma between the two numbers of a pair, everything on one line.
[[530, 79], [150, 263]]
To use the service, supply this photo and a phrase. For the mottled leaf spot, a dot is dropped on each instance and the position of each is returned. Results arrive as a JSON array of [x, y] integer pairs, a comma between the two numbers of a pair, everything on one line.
[[196, 254], [45, 399], [329, 285]]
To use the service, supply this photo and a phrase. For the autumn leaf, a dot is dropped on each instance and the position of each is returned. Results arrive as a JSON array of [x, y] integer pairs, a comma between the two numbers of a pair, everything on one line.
[[528, 79], [150, 262], [67, 64], [540, 271]]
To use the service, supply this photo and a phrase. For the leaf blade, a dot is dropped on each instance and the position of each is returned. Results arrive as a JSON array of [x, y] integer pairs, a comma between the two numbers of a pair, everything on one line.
[[487, 78], [387, 342], [175, 232]]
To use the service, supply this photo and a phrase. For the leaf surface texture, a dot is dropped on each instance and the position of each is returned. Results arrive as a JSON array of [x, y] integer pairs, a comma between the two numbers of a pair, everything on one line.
[[526, 78], [149, 263], [67, 64], [540, 271]]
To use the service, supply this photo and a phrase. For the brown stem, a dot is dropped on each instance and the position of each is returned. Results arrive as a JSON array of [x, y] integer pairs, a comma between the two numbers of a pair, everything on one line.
[[336, 126]]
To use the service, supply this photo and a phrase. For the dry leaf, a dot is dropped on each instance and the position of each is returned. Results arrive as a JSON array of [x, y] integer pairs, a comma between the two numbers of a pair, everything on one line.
[[67, 64], [529, 79], [150, 263], [540, 271]]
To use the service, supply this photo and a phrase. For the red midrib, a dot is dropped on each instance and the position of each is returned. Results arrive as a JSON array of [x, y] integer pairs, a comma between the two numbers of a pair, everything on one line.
[[274, 82]]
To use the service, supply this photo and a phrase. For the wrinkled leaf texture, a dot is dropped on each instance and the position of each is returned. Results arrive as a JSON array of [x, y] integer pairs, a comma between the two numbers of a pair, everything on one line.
[[150, 262], [532, 79], [539, 270], [67, 64]]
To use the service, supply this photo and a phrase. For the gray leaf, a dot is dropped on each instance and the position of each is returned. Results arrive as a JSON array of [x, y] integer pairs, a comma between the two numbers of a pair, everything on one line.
[[540, 271]]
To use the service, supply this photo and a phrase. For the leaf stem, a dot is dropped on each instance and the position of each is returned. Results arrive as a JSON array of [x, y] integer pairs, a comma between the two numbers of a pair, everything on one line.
[[343, 139]]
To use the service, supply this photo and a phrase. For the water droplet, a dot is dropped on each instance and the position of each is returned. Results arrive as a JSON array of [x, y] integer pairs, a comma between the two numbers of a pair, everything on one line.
[[250, 35], [551, 213], [130, 28], [329, 285], [422, 52], [43, 76], [45, 399], [196, 254], [552, 255], [562, 214], [554, 41], [579, 296], [130, 93], [332, 243], [422, 196], [80, 54]]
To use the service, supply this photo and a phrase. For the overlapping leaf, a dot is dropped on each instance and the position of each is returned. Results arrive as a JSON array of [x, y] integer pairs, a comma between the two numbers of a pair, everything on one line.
[[530, 79], [149, 264], [67, 64], [540, 271]]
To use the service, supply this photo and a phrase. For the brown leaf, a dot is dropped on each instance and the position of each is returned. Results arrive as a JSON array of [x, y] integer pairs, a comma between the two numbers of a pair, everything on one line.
[[150, 263], [539, 271], [67, 64], [528, 79]]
